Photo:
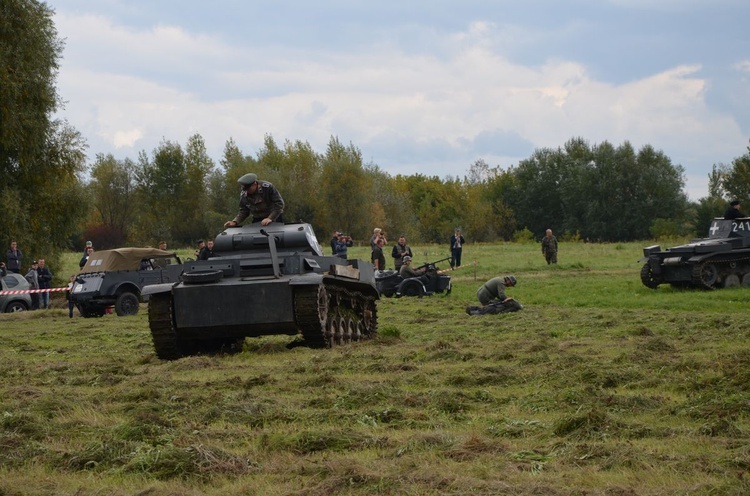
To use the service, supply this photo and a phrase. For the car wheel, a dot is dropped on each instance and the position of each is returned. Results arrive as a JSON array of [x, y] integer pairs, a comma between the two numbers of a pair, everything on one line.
[[15, 306], [126, 304]]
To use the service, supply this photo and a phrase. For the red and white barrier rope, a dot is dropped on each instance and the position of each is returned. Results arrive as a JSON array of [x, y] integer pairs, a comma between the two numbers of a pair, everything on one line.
[[29, 291]]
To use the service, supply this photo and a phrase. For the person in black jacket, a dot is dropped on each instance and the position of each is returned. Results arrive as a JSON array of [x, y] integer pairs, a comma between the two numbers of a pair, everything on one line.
[[733, 212], [457, 246], [14, 257], [45, 282]]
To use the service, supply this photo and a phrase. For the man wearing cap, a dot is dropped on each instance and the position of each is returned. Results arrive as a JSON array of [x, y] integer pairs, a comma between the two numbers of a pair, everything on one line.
[[493, 299], [457, 245], [259, 200], [733, 212]]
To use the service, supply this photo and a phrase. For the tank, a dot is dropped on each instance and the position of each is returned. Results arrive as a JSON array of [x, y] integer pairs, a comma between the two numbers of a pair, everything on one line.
[[263, 281], [721, 260]]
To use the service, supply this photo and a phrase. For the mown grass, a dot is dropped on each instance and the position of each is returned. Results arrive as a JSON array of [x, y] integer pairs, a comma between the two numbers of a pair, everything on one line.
[[599, 386]]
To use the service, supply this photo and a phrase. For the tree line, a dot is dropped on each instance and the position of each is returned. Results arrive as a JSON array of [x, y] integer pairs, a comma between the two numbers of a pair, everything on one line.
[[53, 198]]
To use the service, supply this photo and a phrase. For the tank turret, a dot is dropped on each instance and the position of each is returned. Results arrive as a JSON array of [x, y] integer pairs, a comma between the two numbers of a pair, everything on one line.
[[263, 280], [720, 260]]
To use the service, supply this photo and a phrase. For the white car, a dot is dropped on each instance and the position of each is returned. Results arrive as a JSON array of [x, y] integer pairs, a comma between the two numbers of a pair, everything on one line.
[[15, 302]]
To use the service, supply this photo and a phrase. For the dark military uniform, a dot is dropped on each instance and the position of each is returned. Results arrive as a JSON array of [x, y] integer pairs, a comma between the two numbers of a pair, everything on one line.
[[732, 212], [494, 289], [549, 249], [266, 202]]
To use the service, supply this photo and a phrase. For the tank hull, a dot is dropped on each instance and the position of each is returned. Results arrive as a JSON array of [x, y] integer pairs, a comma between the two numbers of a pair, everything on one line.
[[718, 261], [264, 281]]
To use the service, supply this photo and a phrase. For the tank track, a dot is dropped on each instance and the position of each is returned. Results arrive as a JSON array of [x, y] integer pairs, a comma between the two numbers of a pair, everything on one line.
[[330, 315], [727, 272], [163, 332]]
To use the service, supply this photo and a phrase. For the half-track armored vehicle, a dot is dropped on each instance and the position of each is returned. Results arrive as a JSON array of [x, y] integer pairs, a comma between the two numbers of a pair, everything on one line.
[[390, 283], [720, 260], [263, 280], [115, 278]]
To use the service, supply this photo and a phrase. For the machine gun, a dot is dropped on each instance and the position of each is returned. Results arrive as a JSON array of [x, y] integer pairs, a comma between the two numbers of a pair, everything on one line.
[[432, 265]]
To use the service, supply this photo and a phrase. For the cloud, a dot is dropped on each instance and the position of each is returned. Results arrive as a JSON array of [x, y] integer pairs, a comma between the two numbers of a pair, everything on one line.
[[433, 111]]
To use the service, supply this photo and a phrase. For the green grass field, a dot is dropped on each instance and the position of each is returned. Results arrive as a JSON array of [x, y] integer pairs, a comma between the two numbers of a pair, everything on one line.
[[600, 386]]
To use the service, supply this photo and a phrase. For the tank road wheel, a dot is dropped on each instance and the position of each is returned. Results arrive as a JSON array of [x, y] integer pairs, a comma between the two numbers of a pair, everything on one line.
[[732, 281], [349, 330], [746, 280], [705, 275], [648, 278], [126, 304], [333, 332], [355, 329], [167, 342]]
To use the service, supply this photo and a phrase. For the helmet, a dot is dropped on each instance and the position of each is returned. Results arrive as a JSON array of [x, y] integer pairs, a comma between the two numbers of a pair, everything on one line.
[[406, 258], [247, 179], [510, 280]]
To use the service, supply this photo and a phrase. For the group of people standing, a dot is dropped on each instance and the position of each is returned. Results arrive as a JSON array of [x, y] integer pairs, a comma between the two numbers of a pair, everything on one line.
[[39, 276]]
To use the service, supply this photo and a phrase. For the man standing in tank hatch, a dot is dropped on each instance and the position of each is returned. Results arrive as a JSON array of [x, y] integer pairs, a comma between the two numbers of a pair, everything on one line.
[[733, 212], [259, 200]]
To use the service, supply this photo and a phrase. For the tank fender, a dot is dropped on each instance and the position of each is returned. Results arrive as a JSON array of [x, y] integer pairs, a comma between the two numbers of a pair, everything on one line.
[[696, 259], [309, 279], [157, 288], [127, 286]]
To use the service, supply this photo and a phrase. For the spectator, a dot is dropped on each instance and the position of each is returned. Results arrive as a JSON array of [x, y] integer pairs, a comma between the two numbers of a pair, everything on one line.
[[207, 251], [400, 250], [378, 258], [14, 256], [89, 244], [342, 245], [86, 255], [163, 245], [33, 277], [457, 246], [198, 250], [45, 281], [259, 200], [377, 233], [334, 240]]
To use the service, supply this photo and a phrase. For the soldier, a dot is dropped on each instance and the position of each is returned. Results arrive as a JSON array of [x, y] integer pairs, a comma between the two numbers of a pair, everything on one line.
[[407, 272], [549, 247], [733, 212], [259, 199], [493, 298]]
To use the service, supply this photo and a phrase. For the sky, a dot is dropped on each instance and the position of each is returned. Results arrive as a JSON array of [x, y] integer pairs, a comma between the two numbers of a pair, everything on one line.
[[419, 87]]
